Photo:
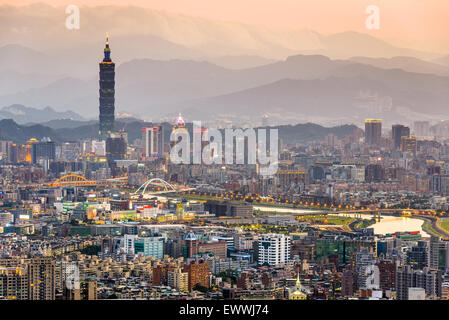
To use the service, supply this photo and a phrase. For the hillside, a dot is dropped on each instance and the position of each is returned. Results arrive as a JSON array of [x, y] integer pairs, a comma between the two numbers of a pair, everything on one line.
[[12, 131]]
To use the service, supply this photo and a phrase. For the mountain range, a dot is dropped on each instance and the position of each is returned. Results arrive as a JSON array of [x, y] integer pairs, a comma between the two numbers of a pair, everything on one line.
[[147, 32], [298, 89], [12, 131], [211, 70], [27, 115]]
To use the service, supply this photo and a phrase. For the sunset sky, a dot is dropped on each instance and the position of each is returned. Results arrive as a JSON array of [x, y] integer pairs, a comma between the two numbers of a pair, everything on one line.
[[413, 23]]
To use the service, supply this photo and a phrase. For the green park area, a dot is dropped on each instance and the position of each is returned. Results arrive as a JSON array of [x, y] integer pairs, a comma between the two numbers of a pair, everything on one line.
[[254, 202], [326, 219], [444, 224]]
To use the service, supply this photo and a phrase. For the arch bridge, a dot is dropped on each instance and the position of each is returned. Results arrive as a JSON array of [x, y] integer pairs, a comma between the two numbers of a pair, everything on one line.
[[71, 180], [167, 187], [78, 180]]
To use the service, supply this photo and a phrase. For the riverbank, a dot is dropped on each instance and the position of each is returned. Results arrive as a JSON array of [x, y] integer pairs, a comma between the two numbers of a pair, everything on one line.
[[387, 225], [257, 203], [432, 226], [327, 220], [321, 218]]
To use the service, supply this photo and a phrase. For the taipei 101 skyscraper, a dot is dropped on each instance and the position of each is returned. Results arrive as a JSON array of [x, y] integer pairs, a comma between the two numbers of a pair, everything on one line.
[[107, 93]]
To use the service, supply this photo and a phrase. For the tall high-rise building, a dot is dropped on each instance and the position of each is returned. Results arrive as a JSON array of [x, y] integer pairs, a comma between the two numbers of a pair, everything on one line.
[[429, 279], [160, 274], [179, 123], [198, 273], [374, 173], [41, 275], [70, 151], [397, 132], [150, 246], [438, 253], [421, 128], [29, 149], [191, 245], [153, 141], [348, 282], [404, 280], [14, 283], [273, 249], [86, 291], [89, 290], [32, 279], [107, 93], [417, 256], [243, 281], [373, 131], [116, 147], [366, 275], [387, 275], [409, 144], [43, 150], [178, 279]]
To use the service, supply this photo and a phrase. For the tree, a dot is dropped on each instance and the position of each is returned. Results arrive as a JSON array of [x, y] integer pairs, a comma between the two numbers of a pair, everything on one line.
[[200, 288], [91, 250]]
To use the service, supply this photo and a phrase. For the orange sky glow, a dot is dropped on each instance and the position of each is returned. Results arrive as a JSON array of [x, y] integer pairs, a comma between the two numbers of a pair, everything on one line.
[[416, 24]]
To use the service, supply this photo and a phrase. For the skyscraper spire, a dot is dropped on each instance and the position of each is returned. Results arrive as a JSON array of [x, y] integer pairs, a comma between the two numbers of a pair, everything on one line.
[[107, 93], [107, 50], [179, 122]]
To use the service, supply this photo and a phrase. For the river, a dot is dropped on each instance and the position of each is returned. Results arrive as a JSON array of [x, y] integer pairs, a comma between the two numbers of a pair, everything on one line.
[[388, 224]]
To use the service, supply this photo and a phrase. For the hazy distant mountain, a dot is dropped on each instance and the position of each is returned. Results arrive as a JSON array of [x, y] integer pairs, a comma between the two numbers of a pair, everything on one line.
[[444, 60], [22, 114], [356, 93], [312, 132], [10, 130], [208, 37], [15, 57], [405, 63], [64, 94], [348, 44], [146, 84], [22, 68], [291, 99], [239, 62], [168, 62], [12, 82], [146, 33], [65, 123], [295, 67], [329, 88], [152, 88], [147, 87]]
